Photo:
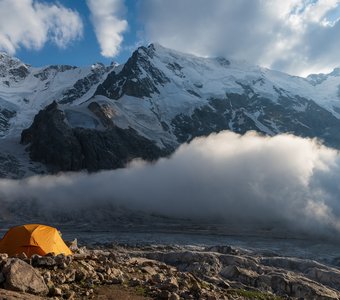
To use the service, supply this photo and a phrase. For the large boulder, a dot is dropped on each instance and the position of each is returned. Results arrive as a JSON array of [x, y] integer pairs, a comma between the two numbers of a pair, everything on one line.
[[10, 295], [21, 277]]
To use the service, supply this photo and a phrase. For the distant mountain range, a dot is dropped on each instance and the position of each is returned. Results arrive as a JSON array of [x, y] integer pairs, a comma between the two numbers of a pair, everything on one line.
[[100, 117]]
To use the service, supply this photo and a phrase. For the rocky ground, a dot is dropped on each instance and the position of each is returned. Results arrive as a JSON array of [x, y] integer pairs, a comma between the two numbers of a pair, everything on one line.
[[166, 272]]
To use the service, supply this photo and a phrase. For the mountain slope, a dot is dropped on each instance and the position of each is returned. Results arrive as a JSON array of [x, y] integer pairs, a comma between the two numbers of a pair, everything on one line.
[[165, 98], [186, 96]]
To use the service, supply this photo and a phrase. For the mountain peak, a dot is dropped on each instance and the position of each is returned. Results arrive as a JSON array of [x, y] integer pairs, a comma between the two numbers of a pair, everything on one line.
[[157, 46], [161, 50], [5, 58], [12, 68], [316, 79], [335, 72], [4, 55]]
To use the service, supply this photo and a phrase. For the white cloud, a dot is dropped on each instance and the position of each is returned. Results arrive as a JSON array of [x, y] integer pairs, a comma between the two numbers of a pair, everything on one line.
[[30, 24], [280, 182], [108, 25], [296, 36]]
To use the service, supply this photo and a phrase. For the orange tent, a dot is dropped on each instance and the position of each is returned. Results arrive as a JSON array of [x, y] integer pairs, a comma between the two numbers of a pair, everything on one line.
[[33, 239]]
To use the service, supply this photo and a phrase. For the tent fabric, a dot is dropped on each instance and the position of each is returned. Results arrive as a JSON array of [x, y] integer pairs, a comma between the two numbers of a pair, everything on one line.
[[33, 239]]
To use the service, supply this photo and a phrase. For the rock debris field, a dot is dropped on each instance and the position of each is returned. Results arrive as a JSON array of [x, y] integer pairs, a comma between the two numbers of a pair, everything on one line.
[[166, 272]]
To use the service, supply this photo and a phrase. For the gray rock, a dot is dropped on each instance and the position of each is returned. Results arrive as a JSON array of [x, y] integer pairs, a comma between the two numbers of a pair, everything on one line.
[[174, 296], [53, 142], [70, 275], [101, 277], [43, 261], [10, 166], [247, 277], [103, 112], [11, 295], [47, 277], [56, 292], [131, 80], [73, 245], [240, 261], [21, 277], [2, 278], [164, 295], [170, 284], [81, 274], [222, 249], [233, 113], [70, 295], [149, 270], [158, 278], [83, 85], [62, 261], [330, 277], [200, 263], [289, 263]]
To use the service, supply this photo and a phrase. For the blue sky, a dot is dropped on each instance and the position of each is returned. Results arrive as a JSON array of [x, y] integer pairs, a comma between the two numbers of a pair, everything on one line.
[[294, 36], [85, 51]]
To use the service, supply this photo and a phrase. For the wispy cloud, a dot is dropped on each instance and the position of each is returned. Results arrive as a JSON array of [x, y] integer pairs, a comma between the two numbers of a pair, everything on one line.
[[108, 24], [296, 36], [30, 24]]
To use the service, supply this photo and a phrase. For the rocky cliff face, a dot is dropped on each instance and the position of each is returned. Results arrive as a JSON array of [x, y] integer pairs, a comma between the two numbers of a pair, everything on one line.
[[132, 79], [52, 141], [5, 116], [240, 113]]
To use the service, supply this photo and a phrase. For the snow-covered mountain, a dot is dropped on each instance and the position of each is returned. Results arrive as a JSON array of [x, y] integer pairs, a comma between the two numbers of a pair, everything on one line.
[[103, 116]]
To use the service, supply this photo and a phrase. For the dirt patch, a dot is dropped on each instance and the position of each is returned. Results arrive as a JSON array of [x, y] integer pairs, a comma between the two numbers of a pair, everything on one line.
[[117, 292]]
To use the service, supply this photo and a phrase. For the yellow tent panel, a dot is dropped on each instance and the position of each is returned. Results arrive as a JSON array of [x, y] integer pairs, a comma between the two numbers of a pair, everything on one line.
[[33, 239]]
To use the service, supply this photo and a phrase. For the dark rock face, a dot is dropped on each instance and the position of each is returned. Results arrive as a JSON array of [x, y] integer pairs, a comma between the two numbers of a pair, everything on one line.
[[113, 148], [12, 68], [103, 113], [54, 143], [9, 166], [130, 80], [52, 71], [5, 116], [20, 72], [82, 86], [241, 113]]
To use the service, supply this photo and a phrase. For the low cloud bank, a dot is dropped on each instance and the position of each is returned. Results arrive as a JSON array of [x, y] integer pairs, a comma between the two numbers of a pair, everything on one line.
[[282, 181]]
